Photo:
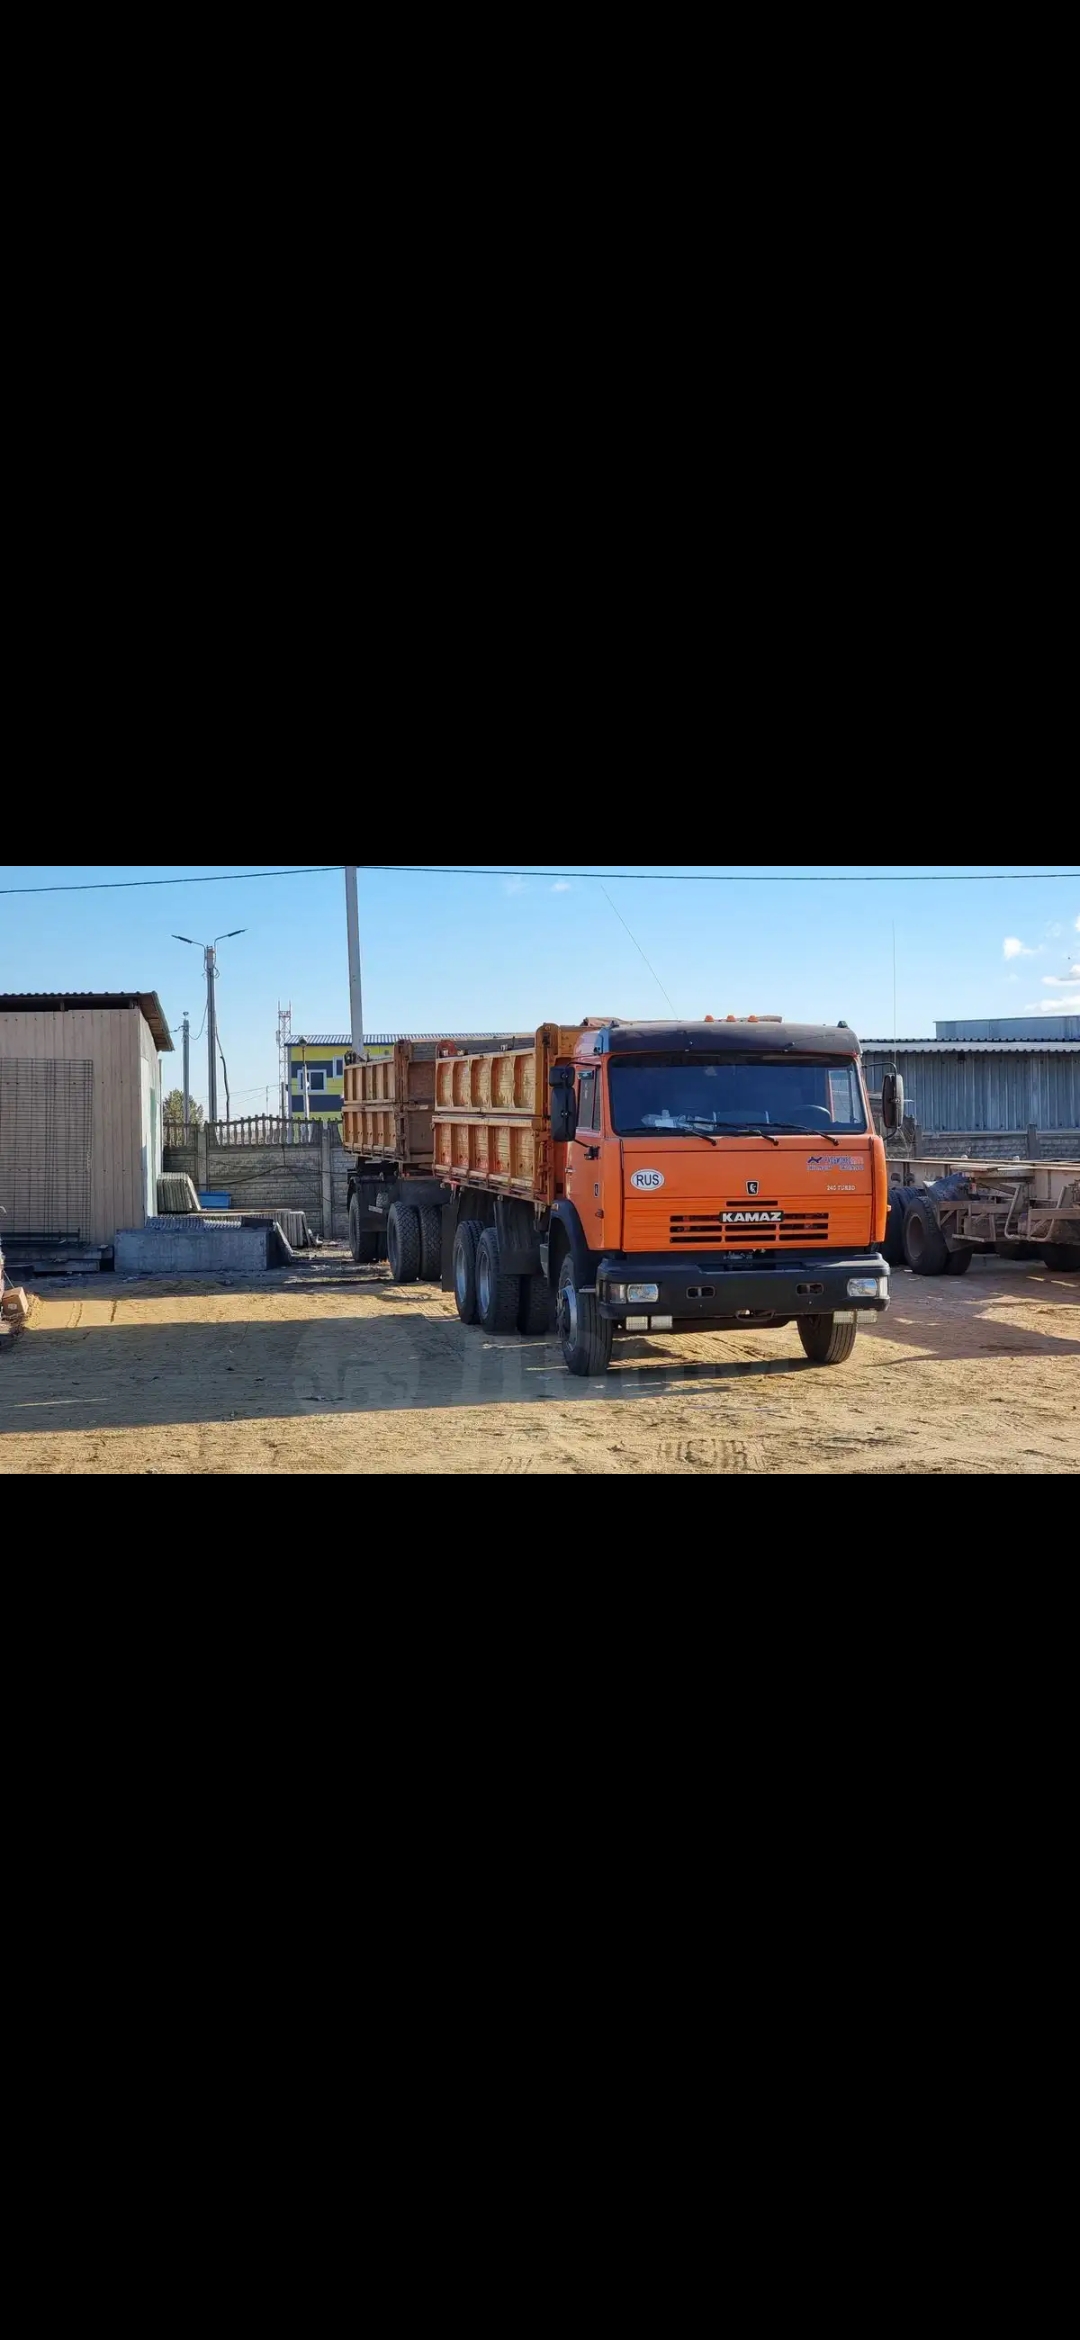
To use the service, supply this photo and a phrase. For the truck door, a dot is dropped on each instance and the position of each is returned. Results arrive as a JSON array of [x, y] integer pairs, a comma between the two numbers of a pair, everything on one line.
[[584, 1184]]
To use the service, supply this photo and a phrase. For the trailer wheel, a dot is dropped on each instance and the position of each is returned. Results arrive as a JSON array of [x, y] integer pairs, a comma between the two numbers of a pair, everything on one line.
[[364, 1248], [1063, 1257], [925, 1248], [403, 1243], [498, 1297], [893, 1246], [431, 1245], [534, 1314], [825, 1341], [465, 1247], [958, 1263], [586, 1337]]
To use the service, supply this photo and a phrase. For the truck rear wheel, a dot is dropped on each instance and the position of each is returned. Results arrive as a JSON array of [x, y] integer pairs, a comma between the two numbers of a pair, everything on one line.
[[825, 1341], [534, 1314], [431, 1245], [958, 1263], [1064, 1257], [925, 1248], [465, 1247], [403, 1243], [364, 1247], [586, 1337], [498, 1297]]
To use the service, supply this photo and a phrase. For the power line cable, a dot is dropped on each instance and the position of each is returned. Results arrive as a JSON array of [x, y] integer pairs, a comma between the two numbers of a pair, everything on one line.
[[637, 947], [650, 877]]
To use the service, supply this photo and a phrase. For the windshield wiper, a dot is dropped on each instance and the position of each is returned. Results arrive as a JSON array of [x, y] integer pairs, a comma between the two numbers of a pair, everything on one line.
[[686, 1121], [798, 1129], [752, 1132]]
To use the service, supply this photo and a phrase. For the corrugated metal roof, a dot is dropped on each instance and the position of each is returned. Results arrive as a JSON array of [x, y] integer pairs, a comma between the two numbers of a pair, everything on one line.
[[973, 1047], [58, 1003]]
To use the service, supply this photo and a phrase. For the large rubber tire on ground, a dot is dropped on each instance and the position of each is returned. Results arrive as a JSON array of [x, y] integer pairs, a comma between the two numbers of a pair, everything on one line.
[[498, 1297], [958, 1263], [465, 1248], [585, 1337], [431, 1245], [893, 1246], [1064, 1258], [825, 1341], [925, 1248], [1018, 1251], [364, 1247], [534, 1314], [403, 1243]]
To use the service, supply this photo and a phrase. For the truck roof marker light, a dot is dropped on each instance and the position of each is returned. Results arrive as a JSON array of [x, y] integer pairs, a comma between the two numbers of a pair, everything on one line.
[[710, 1019], [733, 1019]]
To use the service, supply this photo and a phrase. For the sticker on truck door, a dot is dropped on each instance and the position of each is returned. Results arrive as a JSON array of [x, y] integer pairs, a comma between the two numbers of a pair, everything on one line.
[[648, 1181]]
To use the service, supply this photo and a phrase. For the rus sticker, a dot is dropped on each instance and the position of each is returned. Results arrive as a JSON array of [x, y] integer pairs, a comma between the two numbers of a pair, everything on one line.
[[648, 1181]]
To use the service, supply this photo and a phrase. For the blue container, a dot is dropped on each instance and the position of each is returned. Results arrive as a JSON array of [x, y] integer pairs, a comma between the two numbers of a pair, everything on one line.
[[215, 1202]]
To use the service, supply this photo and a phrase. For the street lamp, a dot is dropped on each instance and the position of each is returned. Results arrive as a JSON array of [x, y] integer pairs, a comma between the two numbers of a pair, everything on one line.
[[209, 951]]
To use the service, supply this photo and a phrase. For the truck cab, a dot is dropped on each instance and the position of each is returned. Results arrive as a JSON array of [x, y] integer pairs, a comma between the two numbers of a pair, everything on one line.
[[716, 1176]]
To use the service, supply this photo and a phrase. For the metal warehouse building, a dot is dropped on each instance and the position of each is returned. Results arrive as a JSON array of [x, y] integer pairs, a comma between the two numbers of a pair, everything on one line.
[[80, 1112], [1010, 1085]]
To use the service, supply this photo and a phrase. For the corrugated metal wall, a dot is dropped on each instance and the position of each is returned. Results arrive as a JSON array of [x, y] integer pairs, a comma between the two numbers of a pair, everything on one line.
[[993, 1091], [110, 1040]]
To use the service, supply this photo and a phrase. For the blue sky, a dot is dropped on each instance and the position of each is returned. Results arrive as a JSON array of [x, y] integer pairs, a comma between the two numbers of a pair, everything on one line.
[[482, 953]]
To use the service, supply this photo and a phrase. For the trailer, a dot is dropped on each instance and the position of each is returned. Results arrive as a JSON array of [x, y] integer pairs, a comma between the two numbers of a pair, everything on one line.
[[629, 1178], [951, 1211], [395, 1197]]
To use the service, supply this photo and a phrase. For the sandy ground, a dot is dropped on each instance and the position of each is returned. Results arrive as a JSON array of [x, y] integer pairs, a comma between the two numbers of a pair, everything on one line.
[[342, 1372]]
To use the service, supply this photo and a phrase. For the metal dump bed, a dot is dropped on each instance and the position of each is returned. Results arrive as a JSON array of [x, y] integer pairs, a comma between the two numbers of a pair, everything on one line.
[[493, 1115]]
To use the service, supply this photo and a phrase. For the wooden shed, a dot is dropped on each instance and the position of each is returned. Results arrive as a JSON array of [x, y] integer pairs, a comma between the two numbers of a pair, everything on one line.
[[80, 1112]]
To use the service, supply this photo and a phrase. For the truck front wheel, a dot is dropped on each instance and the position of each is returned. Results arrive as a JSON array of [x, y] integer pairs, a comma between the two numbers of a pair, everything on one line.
[[825, 1341], [403, 1243], [585, 1336]]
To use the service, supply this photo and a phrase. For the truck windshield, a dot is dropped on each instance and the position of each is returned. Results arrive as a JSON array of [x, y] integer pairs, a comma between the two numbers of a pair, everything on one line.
[[651, 1094]]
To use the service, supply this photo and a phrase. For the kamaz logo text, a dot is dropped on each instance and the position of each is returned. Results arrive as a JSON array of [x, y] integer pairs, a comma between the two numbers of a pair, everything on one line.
[[753, 1218]]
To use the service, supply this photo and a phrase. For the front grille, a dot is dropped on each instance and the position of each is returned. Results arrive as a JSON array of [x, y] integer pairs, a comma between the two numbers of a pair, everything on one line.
[[699, 1230]]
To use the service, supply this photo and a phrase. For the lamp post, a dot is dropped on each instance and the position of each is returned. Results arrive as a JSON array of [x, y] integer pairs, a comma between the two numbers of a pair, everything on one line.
[[209, 951]]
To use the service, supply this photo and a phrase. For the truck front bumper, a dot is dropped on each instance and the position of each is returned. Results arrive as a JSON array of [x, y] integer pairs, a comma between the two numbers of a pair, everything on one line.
[[693, 1294]]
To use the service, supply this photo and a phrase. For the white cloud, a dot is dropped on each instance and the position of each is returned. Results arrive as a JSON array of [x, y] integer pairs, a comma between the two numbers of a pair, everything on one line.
[[1067, 1003], [562, 886], [1076, 923], [1063, 982], [514, 885], [1015, 949]]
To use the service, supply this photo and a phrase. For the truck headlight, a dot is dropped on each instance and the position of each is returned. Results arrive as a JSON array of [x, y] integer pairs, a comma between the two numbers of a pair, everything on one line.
[[646, 1292], [868, 1288]]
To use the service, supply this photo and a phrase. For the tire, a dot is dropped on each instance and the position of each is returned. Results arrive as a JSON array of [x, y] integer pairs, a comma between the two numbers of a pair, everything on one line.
[[958, 1263], [893, 1246], [534, 1314], [925, 1248], [1018, 1251], [585, 1337], [364, 1248], [498, 1297], [825, 1341], [431, 1245], [1064, 1258], [465, 1247], [403, 1243]]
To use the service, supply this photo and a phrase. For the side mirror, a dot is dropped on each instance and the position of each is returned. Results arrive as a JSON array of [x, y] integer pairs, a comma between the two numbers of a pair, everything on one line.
[[563, 1106], [892, 1103]]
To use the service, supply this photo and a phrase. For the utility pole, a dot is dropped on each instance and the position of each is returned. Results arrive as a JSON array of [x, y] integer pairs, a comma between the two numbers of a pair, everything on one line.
[[284, 1041], [356, 998], [187, 1070], [211, 1029], [209, 951]]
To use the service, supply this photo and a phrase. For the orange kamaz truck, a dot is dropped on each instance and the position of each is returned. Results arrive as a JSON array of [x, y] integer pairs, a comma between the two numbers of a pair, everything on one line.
[[634, 1178]]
